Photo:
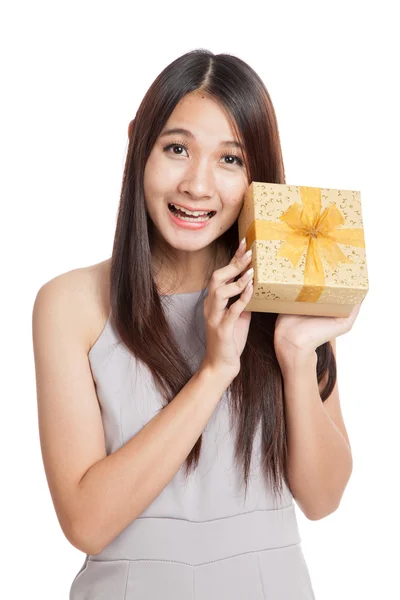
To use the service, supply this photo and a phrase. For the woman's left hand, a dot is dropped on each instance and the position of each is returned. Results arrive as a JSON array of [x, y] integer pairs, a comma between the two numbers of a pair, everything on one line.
[[302, 334]]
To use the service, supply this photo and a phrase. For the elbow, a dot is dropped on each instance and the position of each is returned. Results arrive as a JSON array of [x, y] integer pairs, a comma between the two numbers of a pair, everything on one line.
[[86, 543], [315, 512], [321, 514], [323, 510], [326, 506]]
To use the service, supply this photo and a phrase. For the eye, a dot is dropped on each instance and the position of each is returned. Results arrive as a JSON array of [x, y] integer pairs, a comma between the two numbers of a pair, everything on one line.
[[175, 145], [183, 145], [239, 160]]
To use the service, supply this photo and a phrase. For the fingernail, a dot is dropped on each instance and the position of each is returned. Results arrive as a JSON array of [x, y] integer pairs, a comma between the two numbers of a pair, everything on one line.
[[242, 243]]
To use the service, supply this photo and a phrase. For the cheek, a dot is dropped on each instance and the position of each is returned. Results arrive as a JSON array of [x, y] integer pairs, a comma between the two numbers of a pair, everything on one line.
[[159, 178], [151, 180], [233, 203], [232, 190]]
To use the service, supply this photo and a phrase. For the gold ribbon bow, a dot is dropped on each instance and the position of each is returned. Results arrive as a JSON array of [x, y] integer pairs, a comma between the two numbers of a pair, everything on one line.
[[304, 228]]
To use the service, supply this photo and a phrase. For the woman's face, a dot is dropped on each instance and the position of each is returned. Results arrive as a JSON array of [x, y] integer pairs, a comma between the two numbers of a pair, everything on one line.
[[198, 170]]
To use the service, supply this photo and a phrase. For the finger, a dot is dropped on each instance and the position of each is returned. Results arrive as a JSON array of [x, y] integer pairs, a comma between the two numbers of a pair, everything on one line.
[[351, 316], [236, 287], [236, 309], [239, 253], [233, 269], [216, 301], [228, 290], [241, 248], [354, 312]]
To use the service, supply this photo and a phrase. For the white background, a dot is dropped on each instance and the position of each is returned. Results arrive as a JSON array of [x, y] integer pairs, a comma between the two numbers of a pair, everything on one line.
[[73, 75]]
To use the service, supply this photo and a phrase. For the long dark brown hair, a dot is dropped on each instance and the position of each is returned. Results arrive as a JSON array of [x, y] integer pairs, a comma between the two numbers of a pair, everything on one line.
[[138, 313]]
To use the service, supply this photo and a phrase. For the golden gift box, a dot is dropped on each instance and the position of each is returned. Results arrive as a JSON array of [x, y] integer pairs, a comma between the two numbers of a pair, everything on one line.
[[308, 249]]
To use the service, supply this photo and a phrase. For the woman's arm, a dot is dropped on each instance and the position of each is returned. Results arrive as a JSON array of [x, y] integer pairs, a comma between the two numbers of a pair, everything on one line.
[[319, 453], [97, 496]]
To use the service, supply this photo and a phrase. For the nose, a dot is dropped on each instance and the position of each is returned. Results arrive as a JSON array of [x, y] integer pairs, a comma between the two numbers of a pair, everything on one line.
[[198, 180]]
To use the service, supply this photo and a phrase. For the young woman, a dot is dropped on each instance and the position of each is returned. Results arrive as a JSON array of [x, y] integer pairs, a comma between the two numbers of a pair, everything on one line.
[[176, 427]]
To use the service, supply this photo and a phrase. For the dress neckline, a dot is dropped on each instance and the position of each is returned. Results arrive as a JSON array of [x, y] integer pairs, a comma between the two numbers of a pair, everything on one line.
[[182, 294]]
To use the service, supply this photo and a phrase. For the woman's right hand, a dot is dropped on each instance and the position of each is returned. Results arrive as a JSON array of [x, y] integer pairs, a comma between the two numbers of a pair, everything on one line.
[[227, 328]]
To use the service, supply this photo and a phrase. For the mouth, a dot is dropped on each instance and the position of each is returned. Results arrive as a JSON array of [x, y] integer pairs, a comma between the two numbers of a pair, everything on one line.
[[191, 217]]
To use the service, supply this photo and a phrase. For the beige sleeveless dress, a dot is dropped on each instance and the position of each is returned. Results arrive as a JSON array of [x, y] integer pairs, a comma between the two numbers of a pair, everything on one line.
[[200, 539]]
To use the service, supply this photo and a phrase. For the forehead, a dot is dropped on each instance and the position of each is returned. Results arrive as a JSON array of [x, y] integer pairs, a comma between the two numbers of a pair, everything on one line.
[[202, 117]]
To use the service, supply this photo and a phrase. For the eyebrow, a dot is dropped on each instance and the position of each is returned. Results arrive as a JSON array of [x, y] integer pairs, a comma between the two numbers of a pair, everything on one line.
[[189, 134]]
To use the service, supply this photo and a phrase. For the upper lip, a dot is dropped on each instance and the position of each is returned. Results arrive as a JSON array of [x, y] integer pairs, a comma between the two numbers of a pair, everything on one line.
[[193, 209]]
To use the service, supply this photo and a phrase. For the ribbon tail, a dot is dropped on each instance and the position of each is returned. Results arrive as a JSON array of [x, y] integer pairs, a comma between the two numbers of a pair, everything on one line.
[[314, 278], [293, 248], [331, 251]]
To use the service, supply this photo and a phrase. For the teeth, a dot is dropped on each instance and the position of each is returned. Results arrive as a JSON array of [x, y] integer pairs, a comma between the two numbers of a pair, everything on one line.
[[195, 219], [188, 212]]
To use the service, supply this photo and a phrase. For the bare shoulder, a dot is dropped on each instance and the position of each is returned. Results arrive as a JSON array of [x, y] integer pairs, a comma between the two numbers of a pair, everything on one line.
[[84, 294], [67, 317]]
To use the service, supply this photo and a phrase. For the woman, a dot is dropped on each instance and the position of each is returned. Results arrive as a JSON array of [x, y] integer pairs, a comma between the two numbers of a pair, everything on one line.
[[176, 428]]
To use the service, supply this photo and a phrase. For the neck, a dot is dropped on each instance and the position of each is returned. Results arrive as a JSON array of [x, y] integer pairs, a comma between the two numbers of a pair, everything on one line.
[[182, 272]]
